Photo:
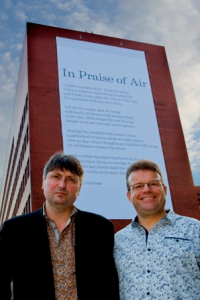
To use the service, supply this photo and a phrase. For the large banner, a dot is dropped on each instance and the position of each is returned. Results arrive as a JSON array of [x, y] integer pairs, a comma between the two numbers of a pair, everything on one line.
[[108, 120]]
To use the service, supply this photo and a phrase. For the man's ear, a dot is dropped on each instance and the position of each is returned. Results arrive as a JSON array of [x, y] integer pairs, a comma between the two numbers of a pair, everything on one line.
[[129, 196], [43, 179], [165, 189], [80, 188]]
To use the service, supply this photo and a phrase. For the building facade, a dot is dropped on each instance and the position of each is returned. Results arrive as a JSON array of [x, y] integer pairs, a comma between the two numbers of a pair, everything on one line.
[[36, 126]]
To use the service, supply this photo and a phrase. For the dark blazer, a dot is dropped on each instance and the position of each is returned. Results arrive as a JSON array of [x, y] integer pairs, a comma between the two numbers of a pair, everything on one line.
[[25, 258]]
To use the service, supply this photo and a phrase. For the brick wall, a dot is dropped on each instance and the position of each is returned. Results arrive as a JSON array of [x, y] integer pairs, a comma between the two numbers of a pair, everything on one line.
[[44, 113]]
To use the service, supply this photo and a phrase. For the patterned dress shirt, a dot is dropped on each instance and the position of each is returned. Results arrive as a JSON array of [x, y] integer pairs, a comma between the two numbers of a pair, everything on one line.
[[166, 265], [63, 257]]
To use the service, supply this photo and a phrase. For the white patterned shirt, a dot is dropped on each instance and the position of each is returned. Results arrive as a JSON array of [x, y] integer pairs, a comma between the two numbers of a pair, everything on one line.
[[166, 265]]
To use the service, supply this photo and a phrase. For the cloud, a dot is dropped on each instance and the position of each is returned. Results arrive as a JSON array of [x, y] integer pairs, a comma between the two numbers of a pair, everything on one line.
[[64, 6], [82, 17], [2, 117], [172, 24], [19, 46], [8, 3], [181, 38], [3, 16], [196, 4], [20, 15], [7, 57], [8, 76], [47, 16]]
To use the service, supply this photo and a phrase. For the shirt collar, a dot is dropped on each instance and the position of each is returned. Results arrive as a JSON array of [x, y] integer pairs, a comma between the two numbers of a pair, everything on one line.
[[170, 217], [74, 211]]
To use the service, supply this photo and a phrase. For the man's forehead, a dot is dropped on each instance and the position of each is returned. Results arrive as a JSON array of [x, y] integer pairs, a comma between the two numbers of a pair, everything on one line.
[[139, 174], [62, 171]]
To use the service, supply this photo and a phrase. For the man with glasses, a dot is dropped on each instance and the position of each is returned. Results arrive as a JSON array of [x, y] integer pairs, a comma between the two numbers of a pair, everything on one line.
[[158, 255], [58, 252]]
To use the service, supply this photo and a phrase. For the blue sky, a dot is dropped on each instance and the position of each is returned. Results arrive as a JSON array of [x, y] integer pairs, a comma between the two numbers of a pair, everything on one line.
[[172, 24]]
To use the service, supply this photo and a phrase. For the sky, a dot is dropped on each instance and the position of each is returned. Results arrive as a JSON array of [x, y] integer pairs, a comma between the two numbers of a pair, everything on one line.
[[172, 24]]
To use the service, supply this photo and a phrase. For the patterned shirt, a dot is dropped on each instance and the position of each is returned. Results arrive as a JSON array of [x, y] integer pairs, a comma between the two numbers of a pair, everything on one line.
[[164, 266], [63, 257]]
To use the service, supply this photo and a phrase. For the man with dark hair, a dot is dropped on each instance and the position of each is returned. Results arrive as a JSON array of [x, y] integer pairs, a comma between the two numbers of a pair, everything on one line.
[[58, 252], [158, 255]]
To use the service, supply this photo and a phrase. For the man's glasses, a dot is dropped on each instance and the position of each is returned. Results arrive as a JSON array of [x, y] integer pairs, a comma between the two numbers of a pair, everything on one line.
[[156, 183]]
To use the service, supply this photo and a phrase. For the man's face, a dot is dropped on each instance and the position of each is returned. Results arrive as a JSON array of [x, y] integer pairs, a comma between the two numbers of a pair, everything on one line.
[[61, 188], [149, 200]]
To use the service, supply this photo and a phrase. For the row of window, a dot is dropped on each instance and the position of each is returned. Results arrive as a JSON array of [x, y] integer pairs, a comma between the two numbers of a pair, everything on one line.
[[21, 192], [8, 170], [18, 173], [8, 185], [27, 208]]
